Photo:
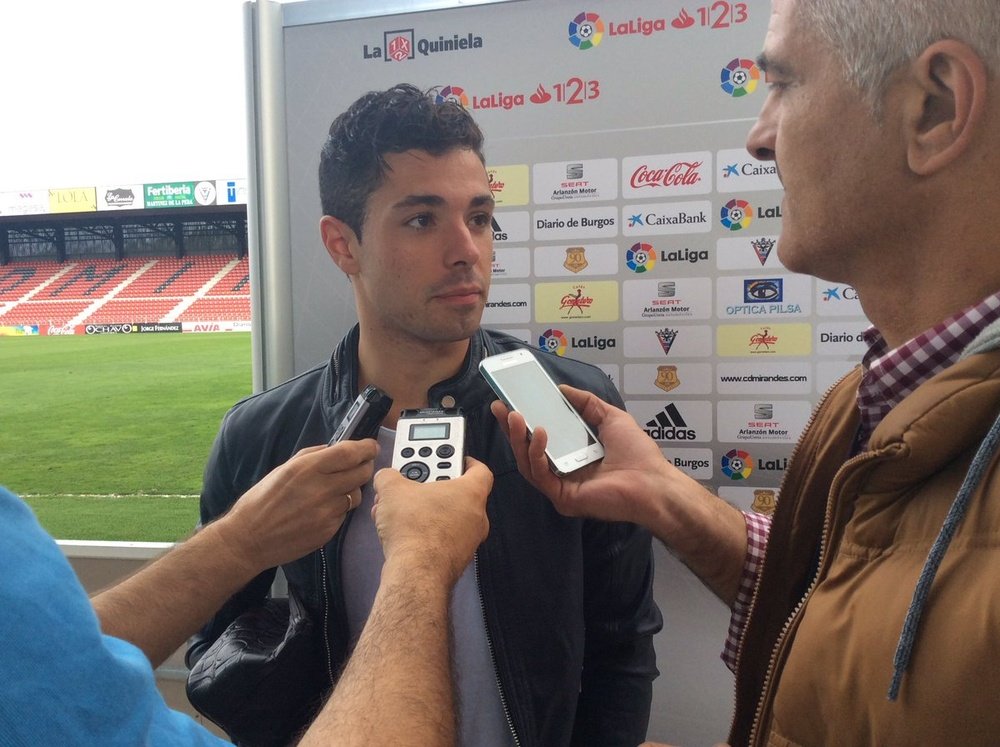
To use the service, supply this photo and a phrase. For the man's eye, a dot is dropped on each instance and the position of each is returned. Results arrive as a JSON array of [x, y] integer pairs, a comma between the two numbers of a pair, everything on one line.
[[481, 220], [419, 221]]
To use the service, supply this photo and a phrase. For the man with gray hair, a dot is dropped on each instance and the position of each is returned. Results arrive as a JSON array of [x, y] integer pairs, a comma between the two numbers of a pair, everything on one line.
[[867, 612]]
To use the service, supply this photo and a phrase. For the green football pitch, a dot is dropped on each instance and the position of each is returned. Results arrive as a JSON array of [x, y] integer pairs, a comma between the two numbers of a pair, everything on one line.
[[106, 436]]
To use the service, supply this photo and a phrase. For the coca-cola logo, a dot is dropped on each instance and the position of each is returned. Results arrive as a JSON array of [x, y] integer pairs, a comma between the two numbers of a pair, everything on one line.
[[682, 173]]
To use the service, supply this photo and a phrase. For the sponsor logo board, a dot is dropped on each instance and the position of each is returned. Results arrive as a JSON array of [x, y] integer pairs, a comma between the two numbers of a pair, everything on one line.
[[584, 223], [77, 200], [684, 422], [667, 175], [509, 184], [778, 421], [837, 300], [696, 463], [681, 298], [841, 338], [737, 171], [763, 339], [668, 342], [591, 301], [120, 197], [576, 260], [747, 253], [575, 181], [400, 45], [677, 378], [511, 226], [753, 377], [509, 303], [760, 500], [511, 262], [667, 218], [753, 297], [231, 192]]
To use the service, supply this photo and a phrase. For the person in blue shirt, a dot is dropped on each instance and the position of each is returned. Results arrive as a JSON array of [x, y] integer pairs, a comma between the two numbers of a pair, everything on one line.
[[79, 671]]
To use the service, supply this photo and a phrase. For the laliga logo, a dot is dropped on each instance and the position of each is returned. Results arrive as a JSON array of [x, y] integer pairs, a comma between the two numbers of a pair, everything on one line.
[[453, 94], [553, 341], [736, 214], [739, 77], [737, 464], [586, 30], [640, 258]]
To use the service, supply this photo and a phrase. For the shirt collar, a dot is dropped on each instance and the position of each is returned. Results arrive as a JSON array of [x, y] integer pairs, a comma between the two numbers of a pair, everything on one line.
[[890, 375]]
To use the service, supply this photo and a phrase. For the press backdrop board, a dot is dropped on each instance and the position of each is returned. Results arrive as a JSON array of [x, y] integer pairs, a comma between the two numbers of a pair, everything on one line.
[[632, 230]]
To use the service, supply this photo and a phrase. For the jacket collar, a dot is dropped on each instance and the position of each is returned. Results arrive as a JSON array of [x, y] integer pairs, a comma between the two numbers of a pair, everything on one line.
[[466, 389]]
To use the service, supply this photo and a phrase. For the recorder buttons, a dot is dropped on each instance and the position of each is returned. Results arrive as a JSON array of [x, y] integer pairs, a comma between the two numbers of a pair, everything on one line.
[[417, 471], [406, 453], [445, 450]]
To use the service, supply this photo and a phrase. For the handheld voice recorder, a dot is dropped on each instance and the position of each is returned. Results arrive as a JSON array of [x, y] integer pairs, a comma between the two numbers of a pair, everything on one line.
[[430, 444], [364, 417]]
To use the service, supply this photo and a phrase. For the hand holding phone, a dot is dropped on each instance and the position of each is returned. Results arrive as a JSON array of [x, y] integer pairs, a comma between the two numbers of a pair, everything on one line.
[[520, 381], [365, 416]]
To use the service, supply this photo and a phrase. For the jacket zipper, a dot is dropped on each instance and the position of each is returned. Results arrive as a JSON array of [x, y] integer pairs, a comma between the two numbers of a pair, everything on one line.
[[835, 489], [824, 537], [756, 588], [326, 615], [493, 658]]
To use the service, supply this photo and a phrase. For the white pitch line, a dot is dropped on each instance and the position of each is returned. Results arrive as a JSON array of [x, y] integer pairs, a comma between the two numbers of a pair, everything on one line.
[[108, 495]]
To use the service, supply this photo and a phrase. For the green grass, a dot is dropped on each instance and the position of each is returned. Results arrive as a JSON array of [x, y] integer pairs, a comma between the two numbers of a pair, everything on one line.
[[115, 415]]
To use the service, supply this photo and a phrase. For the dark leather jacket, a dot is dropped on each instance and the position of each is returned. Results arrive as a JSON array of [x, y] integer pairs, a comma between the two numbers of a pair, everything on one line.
[[568, 602]]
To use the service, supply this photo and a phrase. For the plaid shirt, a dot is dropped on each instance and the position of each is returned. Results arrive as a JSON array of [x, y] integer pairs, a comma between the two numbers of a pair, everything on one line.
[[889, 376]]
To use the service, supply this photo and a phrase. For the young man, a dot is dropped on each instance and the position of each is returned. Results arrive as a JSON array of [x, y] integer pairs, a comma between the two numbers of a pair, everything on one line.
[[554, 620], [67, 682], [873, 612]]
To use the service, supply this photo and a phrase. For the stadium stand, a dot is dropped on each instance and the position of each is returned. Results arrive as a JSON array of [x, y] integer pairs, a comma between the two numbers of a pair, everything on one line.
[[177, 266]]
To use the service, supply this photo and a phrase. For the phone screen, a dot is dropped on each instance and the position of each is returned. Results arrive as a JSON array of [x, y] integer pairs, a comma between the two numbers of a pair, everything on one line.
[[526, 387]]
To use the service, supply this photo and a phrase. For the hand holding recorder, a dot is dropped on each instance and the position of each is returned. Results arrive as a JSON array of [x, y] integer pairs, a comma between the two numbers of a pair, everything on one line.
[[432, 528]]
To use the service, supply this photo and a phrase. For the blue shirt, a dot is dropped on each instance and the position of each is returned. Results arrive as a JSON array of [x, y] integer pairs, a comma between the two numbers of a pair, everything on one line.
[[62, 682]]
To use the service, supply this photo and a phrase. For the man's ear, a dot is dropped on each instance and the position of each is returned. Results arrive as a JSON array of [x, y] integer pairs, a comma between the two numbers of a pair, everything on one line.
[[340, 243], [950, 79]]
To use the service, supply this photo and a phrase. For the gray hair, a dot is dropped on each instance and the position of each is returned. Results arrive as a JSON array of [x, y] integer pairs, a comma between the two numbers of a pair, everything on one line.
[[874, 38]]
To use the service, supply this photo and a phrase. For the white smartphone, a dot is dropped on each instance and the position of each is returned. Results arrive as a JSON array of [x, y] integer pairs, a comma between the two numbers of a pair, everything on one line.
[[520, 381]]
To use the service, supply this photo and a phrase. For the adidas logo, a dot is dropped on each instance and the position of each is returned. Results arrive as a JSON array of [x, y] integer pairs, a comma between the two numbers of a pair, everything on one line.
[[669, 425]]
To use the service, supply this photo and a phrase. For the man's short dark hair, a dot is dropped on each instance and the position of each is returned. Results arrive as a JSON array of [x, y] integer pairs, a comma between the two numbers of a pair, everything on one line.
[[352, 163]]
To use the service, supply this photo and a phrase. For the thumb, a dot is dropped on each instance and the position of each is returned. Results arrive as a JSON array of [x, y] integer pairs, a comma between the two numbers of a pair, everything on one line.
[[592, 408]]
